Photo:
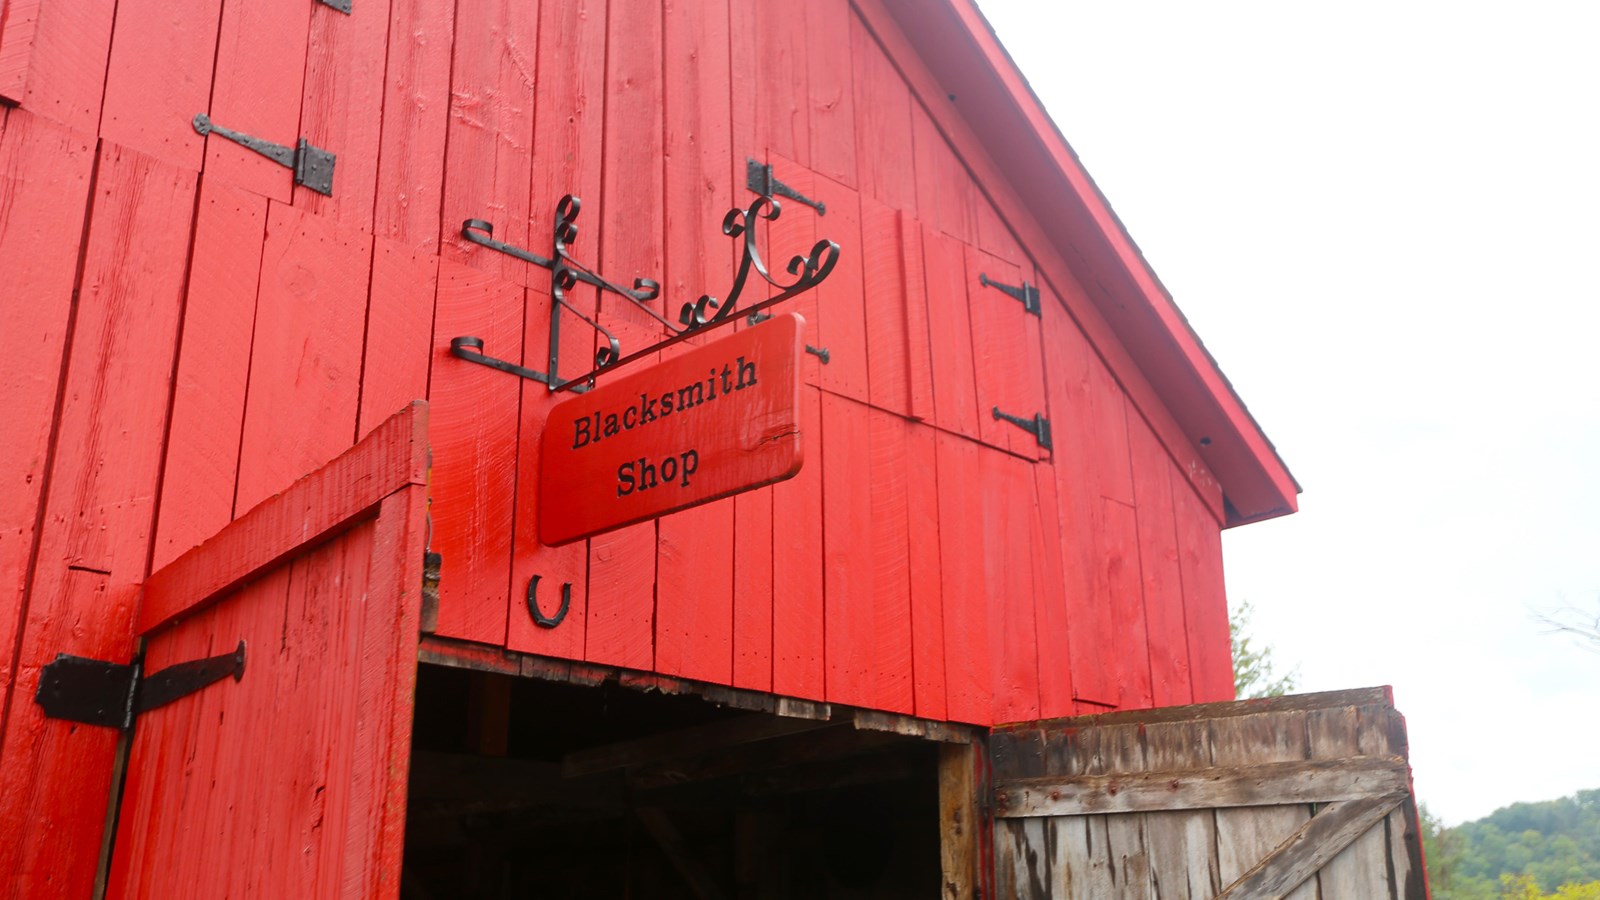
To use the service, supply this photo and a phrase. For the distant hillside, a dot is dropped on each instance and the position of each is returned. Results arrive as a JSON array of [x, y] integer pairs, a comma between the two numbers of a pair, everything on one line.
[[1524, 851]]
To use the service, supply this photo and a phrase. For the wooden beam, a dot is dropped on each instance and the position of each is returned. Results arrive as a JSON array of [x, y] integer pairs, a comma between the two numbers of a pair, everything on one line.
[[684, 742], [1371, 696], [1266, 784], [959, 822], [313, 509], [672, 843], [506, 783], [837, 742], [1322, 838]]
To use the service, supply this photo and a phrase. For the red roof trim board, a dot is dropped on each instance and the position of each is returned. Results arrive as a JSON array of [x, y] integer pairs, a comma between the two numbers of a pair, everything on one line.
[[956, 43]]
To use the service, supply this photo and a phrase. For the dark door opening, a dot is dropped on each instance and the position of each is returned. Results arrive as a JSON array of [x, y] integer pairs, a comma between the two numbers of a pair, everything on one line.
[[525, 788]]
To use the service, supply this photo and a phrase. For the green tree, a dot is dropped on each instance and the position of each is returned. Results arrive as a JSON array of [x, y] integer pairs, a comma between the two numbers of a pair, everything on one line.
[[1252, 665]]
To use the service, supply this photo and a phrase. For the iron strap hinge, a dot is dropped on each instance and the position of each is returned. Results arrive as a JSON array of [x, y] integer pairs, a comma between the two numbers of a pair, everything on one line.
[[1038, 426], [96, 692], [758, 178], [1028, 294], [341, 5], [313, 166]]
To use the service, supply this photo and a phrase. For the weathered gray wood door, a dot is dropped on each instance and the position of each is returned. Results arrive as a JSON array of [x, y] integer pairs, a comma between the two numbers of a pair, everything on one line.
[[1306, 797]]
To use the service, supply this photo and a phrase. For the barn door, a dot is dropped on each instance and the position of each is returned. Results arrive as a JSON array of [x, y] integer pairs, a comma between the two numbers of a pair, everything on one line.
[[1302, 797], [289, 781]]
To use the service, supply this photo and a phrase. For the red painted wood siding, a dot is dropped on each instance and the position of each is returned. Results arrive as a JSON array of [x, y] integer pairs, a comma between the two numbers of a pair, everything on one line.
[[198, 332]]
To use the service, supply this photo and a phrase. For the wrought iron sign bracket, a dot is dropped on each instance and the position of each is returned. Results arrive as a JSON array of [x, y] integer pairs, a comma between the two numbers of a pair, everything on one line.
[[1028, 294], [698, 317], [95, 692], [313, 166], [1038, 426], [340, 5], [758, 178]]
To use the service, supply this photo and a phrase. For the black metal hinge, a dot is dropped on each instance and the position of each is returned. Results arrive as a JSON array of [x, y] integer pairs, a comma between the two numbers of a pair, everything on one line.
[[758, 178], [96, 692], [1038, 426], [313, 166], [756, 318], [1028, 294], [341, 5]]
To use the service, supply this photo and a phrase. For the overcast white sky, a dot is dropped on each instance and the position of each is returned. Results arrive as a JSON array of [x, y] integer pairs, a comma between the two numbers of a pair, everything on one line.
[[1383, 219]]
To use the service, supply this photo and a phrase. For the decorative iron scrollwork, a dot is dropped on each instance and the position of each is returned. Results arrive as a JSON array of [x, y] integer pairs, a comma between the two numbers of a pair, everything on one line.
[[703, 314]]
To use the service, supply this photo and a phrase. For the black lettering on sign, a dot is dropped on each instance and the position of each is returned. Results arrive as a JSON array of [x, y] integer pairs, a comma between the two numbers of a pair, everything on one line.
[[642, 474]]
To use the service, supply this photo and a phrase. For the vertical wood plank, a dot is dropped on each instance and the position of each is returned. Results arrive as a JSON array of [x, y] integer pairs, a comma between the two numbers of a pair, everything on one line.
[[94, 544], [305, 358], [159, 76], [16, 48], [490, 132], [213, 370], [798, 665], [969, 666], [849, 566], [1183, 862], [832, 112], [884, 289], [919, 351], [1361, 869], [753, 589], [561, 571], [955, 400], [892, 482], [841, 300], [1158, 566], [394, 366], [959, 822], [783, 98], [622, 564], [1008, 506], [1005, 354], [53, 59], [260, 70], [1247, 835], [416, 106], [1052, 621], [342, 105], [1117, 584], [474, 413], [695, 567], [883, 123], [45, 173], [1205, 603], [923, 562]]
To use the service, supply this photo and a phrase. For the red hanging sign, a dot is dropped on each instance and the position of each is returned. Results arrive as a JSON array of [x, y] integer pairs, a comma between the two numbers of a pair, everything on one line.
[[705, 424]]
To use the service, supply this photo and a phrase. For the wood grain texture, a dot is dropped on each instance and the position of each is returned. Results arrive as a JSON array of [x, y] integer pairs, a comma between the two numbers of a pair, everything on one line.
[[753, 589], [95, 536], [396, 355], [783, 98], [159, 76], [208, 402], [955, 399], [55, 64], [959, 823], [1159, 570], [968, 657], [1052, 619], [1244, 837], [798, 664], [1205, 603], [394, 455], [831, 89], [887, 338], [305, 356], [416, 106], [923, 563], [475, 419], [1008, 504], [260, 71], [883, 123], [841, 300], [556, 567], [1330, 832], [311, 747], [45, 173], [341, 107], [490, 133], [694, 564]]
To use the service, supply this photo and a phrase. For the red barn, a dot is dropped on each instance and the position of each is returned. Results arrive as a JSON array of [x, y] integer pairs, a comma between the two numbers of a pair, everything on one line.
[[301, 329]]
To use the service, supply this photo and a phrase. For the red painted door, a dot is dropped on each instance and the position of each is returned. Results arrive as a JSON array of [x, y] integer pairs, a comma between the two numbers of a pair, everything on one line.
[[291, 781]]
